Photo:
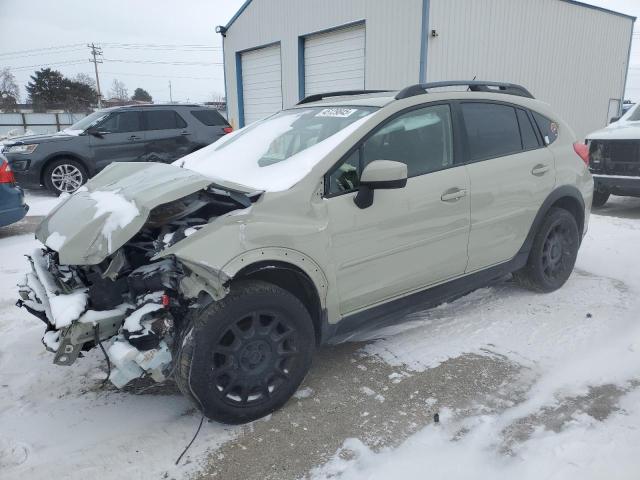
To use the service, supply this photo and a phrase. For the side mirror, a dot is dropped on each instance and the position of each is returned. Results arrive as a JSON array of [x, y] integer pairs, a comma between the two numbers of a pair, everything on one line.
[[614, 119], [379, 174], [96, 132]]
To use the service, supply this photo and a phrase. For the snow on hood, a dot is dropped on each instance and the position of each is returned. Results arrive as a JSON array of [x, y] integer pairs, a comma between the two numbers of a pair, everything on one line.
[[68, 131], [620, 130], [111, 208], [233, 159]]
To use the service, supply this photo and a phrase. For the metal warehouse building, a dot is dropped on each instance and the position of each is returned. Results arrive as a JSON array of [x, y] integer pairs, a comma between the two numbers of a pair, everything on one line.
[[571, 55]]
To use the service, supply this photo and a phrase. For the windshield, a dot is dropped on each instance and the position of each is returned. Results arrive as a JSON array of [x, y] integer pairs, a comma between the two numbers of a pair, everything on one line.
[[275, 153], [89, 120]]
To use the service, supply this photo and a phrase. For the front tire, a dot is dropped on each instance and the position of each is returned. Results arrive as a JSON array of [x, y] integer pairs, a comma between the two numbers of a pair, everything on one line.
[[599, 198], [242, 357], [65, 175], [553, 253]]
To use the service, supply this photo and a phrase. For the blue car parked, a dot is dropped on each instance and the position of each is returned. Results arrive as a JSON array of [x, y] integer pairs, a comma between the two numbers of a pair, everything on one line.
[[12, 206]]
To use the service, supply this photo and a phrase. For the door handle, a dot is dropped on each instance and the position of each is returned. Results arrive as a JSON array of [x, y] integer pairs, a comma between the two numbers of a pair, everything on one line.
[[453, 194], [539, 170], [134, 137], [185, 133]]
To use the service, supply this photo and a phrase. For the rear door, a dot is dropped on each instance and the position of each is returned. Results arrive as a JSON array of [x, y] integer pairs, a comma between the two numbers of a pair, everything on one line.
[[121, 140], [511, 174], [166, 136]]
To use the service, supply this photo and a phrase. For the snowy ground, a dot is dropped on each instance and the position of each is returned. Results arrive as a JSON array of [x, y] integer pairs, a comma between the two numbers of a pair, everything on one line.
[[567, 407], [40, 201]]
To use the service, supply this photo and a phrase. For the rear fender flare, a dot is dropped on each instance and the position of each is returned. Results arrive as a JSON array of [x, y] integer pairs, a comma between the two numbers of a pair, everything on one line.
[[565, 193]]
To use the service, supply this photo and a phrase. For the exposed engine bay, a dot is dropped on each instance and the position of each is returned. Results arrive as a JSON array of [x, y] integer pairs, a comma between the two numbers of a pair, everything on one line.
[[131, 297]]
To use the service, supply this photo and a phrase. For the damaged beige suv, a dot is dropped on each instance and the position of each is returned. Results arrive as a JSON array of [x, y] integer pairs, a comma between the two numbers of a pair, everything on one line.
[[228, 268]]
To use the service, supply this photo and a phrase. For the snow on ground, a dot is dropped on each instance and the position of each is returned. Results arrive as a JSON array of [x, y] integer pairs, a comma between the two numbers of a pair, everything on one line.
[[55, 422], [583, 337], [41, 201]]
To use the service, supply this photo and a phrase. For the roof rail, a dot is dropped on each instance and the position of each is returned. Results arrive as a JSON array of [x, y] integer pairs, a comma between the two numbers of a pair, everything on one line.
[[343, 93], [473, 85]]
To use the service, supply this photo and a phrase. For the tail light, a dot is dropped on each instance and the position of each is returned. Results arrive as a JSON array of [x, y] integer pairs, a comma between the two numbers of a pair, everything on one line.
[[227, 130], [6, 175], [583, 152]]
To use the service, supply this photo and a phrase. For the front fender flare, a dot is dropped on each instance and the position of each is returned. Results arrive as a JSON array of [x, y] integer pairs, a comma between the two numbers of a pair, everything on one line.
[[281, 255]]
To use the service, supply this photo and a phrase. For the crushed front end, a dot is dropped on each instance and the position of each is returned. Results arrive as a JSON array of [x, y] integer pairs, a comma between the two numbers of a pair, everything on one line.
[[83, 306], [133, 300]]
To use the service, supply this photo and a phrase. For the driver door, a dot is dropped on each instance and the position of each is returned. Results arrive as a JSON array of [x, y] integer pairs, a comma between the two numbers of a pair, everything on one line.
[[410, 238], [122, 139]]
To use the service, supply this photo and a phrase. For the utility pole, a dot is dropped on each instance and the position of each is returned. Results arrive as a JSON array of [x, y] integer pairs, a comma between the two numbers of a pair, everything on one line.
[[170, 96], [96, 52]]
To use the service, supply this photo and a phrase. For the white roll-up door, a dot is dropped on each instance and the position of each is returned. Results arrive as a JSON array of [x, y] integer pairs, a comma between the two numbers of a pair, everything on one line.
[[334, 60], [261, 83]]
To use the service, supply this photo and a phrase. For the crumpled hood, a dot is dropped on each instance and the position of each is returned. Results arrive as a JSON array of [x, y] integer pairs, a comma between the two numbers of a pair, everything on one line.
[[111, 208], [617, 131]]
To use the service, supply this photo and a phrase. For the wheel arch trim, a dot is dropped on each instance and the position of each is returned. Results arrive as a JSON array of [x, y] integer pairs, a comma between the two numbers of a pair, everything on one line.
[[280, 256], [559, 196]]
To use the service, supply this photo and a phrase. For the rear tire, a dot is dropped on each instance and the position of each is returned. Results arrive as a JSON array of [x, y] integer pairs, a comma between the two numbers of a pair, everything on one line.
[[599, 198], [242, 357], [553, 253], [65, 175]]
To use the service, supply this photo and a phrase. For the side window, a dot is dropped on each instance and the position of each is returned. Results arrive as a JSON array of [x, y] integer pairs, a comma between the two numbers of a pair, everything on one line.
[[209, 117], [122, 122], [548, 128], [529, 137], [346, 176], [492, 130], [163, 120], [420, 138]]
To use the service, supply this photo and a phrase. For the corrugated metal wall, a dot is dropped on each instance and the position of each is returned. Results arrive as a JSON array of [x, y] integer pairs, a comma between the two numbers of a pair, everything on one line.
[[572, 57], [392, 39]]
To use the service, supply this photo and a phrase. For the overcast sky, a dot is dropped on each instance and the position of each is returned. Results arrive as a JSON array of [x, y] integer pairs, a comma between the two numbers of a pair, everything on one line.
[[137, 31]]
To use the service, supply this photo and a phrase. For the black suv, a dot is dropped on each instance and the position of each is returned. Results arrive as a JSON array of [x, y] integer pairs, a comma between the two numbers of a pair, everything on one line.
[[62, 162]]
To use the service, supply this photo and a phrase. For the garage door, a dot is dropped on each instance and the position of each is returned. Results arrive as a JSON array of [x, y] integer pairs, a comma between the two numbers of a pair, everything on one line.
[[261, 83], [334, 61]]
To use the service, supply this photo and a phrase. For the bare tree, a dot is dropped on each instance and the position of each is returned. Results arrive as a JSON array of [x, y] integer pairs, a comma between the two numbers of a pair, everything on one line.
[[119, 90], [9, 90], [217, 97], [85, 79]]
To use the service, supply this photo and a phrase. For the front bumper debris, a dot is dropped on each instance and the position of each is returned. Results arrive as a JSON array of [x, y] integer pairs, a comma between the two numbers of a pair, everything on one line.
[[142, 331]]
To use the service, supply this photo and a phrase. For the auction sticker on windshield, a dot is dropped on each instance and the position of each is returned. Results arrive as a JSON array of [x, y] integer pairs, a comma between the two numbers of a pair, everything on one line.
[[336, 112]]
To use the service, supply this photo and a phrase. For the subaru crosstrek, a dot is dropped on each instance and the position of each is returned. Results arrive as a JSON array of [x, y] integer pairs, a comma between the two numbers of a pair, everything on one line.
[[228, 268]]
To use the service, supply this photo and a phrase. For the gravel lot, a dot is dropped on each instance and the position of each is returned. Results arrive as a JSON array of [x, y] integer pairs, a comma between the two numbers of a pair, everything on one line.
[[510, 374]]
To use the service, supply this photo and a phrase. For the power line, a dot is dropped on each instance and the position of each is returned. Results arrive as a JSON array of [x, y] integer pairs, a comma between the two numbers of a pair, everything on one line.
[[158, 62], [54, 64], [42, 49], [14, 57], [160, 76]]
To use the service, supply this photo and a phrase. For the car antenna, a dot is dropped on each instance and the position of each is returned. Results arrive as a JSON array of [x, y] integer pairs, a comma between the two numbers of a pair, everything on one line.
[[469, 87]]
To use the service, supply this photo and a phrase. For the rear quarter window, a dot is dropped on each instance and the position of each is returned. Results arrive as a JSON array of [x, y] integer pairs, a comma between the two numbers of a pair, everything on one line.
[[209, 117], [548, 128]]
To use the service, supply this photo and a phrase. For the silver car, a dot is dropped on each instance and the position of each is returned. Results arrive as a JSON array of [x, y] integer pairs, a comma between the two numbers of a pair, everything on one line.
[[227, 269]]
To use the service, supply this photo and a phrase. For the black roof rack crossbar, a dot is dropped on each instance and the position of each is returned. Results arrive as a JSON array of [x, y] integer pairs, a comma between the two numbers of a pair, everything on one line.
[[343, 93], [473, 85]]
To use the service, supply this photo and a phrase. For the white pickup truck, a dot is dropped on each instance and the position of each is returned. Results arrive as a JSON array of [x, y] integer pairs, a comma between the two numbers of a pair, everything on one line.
[[614, 158]]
